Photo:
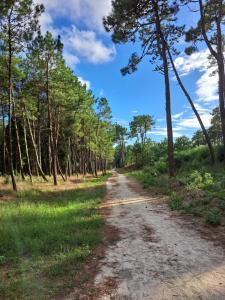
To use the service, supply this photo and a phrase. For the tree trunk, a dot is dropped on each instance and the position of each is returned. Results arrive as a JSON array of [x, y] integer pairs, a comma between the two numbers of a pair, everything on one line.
[[163, 53], [211, 150], [10, 105], [3, 143], [52, 142], [26, 149], [18, 143], [36, 152], [168, 117]]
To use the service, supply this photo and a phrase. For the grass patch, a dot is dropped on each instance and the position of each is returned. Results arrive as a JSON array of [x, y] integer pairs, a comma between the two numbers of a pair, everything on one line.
[[45, 236]]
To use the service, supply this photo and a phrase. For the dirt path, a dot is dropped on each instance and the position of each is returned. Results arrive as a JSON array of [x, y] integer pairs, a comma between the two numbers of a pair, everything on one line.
[[155, 257]]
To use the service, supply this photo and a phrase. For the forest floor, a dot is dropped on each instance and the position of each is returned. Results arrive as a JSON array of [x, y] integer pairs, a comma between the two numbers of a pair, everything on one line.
[[158, 254]]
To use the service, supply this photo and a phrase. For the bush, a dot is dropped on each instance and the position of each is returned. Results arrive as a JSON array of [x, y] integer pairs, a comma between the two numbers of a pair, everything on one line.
[[193, 157], [161, 167], [196, 180], [175, 201], [213, 217], [219, 151]]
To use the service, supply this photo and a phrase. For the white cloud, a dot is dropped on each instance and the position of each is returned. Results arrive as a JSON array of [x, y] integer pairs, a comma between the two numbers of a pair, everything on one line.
[[71, 59], [177, 116], [86, 44], [85, 82], [207, 84], [121, 122], [46, 23], [89, 13], [134, 112], [192, 122], [162, 131]]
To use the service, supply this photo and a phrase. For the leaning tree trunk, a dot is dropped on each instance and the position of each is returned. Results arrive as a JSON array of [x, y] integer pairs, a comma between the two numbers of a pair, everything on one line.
[[36, 151], [211, 150]]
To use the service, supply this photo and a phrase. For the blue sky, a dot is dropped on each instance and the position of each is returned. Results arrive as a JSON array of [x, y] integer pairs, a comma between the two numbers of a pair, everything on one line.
[[93, 57]]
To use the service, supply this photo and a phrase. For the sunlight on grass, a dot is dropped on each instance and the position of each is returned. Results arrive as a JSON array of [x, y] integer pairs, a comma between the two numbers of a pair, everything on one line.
[[45, 235]]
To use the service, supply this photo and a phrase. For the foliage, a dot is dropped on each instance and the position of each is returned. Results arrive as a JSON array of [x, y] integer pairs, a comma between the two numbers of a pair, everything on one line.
[[213, 217], [175, 201], [198, 180]]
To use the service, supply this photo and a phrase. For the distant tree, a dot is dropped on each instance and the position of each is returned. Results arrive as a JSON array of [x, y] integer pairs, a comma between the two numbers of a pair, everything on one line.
[[198, 138], [120, 139], [140, 126], [182, 143], [215, 130]]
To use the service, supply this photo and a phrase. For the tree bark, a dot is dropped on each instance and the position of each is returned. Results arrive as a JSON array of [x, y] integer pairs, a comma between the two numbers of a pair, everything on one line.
[[18, 142], [3, 143], [163, 53], [10, 104], [36, 152], [52, 142], [26, 149]]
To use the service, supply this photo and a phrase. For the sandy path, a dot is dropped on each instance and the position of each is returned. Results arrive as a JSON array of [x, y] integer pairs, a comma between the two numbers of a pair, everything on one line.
[[157, 258]]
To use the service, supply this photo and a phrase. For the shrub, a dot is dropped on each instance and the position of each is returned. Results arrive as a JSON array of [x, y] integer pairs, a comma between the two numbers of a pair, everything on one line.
[[196, 180], [6, 180], [213, 217], [175, 201], [161, 167], [219, 151]]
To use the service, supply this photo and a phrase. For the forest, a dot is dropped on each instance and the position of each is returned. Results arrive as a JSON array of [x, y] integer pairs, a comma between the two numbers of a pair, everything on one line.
[[67, 165]]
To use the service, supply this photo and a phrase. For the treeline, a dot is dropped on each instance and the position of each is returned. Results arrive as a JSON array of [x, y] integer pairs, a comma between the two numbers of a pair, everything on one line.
[[50, 123], [154, 24], [144, 152]]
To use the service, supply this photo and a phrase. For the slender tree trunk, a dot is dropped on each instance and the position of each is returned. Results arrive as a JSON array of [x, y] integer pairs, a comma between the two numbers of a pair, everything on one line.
[[52, 142], [10, 105], [18, 142], [3, 143], [221, 73], [211, 150], [39, 131], [60, 170], [36, 151], [163, 53], [26, 149], [168, 118]]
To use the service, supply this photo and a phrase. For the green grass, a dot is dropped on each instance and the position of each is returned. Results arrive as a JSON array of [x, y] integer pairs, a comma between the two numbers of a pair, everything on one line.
[[45, 237]]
